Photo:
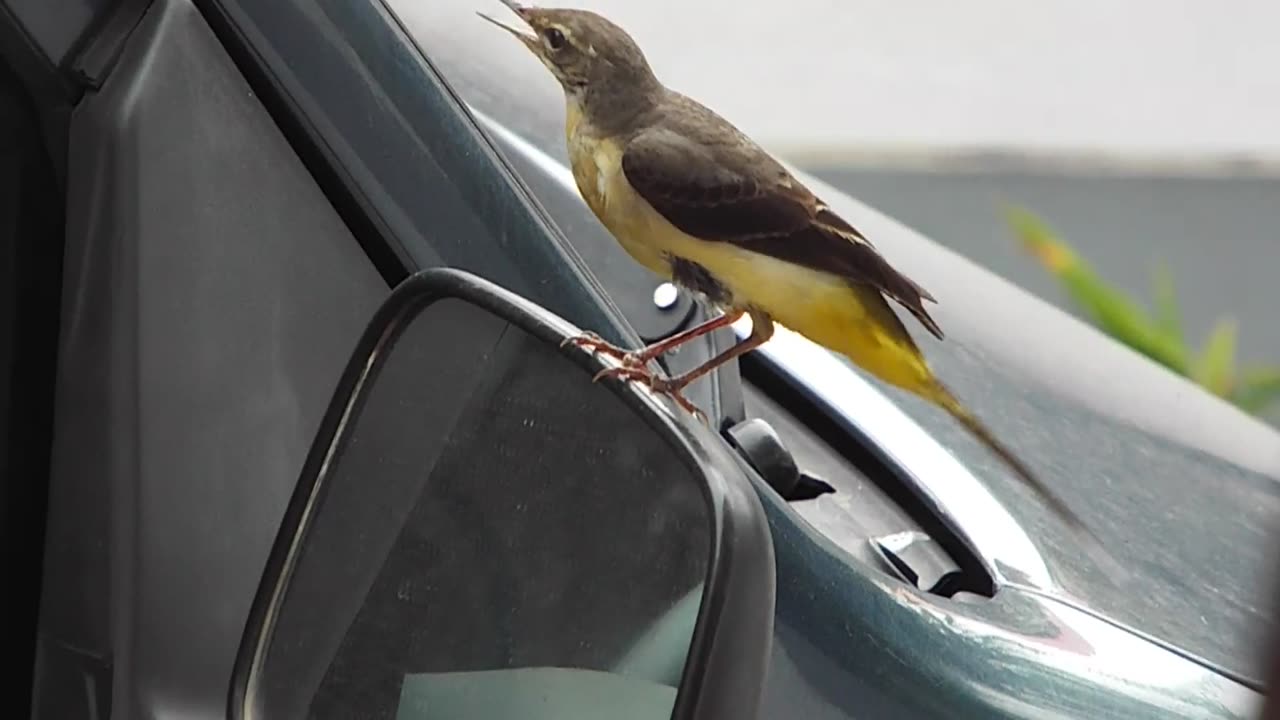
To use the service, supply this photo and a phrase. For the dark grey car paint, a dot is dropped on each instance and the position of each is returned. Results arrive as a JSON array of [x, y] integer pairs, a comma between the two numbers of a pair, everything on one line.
[[213, 298]]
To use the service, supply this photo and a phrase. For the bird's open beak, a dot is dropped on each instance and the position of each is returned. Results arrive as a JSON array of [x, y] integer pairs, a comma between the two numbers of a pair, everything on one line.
[[530, 40]]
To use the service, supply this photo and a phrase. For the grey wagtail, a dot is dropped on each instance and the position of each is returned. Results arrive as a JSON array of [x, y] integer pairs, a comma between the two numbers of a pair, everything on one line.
[[691, 198]]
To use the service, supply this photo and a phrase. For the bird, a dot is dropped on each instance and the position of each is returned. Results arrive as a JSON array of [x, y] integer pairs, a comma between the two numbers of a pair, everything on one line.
[[693, 199]]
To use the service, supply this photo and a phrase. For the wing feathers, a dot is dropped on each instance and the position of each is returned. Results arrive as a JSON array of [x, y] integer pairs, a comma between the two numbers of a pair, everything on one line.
[[707, 198]]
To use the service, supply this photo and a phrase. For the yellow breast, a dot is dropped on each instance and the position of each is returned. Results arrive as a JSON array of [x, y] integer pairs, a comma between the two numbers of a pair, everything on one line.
[[596, 162]]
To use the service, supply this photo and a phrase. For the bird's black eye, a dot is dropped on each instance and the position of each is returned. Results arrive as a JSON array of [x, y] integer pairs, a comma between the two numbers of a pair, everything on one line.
[[555, 38]]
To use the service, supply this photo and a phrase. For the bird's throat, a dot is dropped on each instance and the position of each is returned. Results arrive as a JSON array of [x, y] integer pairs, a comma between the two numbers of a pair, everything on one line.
[[586, 158]]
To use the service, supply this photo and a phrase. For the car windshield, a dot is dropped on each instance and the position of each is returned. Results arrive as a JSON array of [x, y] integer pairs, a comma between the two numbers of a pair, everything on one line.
[[363, 74]]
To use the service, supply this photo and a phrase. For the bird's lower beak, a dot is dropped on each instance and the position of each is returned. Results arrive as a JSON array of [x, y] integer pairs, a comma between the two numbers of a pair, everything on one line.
[[527, 38]]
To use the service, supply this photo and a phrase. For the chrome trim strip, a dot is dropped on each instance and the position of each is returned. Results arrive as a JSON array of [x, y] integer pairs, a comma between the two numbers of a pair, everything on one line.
[[974, 510]]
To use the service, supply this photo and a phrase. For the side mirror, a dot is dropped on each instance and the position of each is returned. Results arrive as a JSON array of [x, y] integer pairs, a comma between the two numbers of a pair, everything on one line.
[[480, 531]]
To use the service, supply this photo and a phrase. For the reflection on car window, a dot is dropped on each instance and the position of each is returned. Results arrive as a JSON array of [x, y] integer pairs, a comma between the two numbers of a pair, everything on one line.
[[432, 184], [484, 65]]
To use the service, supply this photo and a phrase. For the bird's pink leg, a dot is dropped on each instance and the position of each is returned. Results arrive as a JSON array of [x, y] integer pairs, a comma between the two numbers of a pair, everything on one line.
[[762, 330], [638, 358]]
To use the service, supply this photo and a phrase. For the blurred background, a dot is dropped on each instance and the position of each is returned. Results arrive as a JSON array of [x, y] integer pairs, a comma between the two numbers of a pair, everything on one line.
[[1136, 137]]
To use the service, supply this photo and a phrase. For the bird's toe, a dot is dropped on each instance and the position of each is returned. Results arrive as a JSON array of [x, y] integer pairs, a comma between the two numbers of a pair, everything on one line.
[[625, 372], [596, 345]]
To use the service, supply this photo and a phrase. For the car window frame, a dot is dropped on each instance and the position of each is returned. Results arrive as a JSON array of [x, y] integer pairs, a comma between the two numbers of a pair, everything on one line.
[[456, 155]]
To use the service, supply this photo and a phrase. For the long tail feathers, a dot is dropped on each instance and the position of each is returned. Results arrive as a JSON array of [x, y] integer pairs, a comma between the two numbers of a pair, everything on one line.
[[987, 438], [944, 398]]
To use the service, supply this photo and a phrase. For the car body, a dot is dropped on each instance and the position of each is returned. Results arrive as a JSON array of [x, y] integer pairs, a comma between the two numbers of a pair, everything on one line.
[[242, 183]]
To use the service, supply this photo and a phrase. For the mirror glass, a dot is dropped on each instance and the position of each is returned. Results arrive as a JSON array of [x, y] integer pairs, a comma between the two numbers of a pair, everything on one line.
[[492, 536]]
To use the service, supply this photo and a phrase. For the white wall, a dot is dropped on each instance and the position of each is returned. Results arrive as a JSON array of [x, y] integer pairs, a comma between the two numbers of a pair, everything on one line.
[[1162, 77]]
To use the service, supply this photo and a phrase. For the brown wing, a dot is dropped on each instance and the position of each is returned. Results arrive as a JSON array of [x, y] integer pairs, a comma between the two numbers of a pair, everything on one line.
[[700, 189]]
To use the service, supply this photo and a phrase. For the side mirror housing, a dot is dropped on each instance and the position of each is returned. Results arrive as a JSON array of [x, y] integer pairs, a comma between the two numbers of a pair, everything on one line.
[[481, 531]]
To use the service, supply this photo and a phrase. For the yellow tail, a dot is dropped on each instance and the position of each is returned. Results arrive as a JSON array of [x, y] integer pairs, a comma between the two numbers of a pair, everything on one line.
[[859, 324]]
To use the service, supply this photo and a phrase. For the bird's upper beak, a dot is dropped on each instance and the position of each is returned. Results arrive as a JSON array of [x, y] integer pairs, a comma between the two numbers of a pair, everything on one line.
[[529, 39]]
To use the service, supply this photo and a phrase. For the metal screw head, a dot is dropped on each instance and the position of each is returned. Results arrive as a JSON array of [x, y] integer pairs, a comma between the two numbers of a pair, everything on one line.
[[665, 296]]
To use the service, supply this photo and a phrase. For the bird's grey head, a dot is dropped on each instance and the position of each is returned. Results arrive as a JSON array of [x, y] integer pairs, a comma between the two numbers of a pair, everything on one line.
[[596, 62]]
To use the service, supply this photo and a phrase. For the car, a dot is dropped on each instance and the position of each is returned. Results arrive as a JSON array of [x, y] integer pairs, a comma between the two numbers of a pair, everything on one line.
[[211, 200]]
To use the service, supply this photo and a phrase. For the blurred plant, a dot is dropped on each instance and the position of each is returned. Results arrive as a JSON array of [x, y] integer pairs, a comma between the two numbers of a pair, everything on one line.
[[1156, 334]]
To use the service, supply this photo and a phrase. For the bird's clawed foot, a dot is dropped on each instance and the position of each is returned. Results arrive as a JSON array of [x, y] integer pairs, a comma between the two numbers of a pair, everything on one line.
[[632, 369], [660, 385], [597, 345]]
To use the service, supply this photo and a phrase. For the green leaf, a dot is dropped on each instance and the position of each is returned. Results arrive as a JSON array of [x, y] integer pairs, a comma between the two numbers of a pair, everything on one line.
[[1039, 239], [1215, 369], [1158, 335], [1123, 319], [1258, 388], [1168, 318], [1108, 308]]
